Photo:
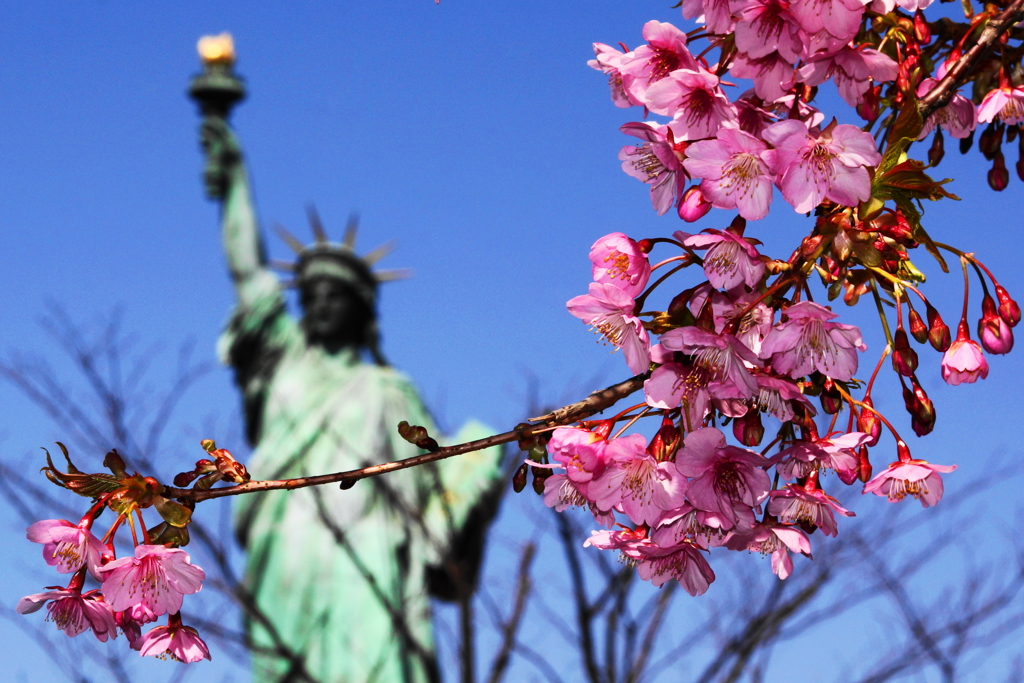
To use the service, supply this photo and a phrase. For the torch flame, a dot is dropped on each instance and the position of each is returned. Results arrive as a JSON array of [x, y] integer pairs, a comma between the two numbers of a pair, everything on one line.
[[217, 49]]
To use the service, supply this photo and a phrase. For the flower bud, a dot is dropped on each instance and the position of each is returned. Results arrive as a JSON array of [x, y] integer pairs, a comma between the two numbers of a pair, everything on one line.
[[831, 399], [869, 423], [937, 150], [993, 332], [920, 407], [693, 206], [922, 33], [998, 176], [645, 246], [965, 143], [904, 358], [918, 330], [748, 429], [868, 107], [1009, 311], [540, 475], [938, 331], [990, 141], [519, 479], [863, 465]]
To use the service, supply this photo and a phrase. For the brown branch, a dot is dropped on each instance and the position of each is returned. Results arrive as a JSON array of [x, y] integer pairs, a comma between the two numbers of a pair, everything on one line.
[[595, 403], [941, 94]]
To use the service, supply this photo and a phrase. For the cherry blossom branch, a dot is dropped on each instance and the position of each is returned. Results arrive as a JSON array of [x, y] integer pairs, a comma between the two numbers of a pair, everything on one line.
[[595, 403], [942, 93]]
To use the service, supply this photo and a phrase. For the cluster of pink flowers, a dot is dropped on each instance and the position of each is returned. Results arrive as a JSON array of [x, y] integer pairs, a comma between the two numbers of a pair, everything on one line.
[[133, 591], [737, 148], [748, 341]]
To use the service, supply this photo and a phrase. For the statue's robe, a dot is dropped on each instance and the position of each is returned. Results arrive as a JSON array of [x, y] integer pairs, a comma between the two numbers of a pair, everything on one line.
[[340, 574]]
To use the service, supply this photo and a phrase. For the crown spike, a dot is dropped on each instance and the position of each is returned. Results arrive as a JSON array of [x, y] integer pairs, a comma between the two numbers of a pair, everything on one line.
[[318, 227], [349, 241], [292, 241], [392, 275], [379, 253], [286, 266]]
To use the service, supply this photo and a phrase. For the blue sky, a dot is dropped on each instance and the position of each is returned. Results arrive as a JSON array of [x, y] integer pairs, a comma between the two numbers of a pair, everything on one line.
[[472, 133]]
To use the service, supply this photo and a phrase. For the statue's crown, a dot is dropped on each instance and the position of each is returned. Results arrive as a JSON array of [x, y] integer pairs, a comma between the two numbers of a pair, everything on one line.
[[337, 260]]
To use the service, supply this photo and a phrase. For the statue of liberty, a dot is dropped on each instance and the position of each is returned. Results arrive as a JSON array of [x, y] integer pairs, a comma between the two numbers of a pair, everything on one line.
[[338, 581]]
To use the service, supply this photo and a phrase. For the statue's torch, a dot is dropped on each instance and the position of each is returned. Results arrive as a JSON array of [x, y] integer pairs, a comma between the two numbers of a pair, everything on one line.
[[216, 90]]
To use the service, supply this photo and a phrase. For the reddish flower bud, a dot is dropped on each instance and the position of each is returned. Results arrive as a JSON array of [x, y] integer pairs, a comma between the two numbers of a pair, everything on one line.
[[869, 423], [665, 442], [748, 429], [918, 330], [863, 465], [938, 331], [920, 407], [993, 332], [519, 479], [868, 108], [1009, 311], [692, 205], [990, 141], [904, 358], [965, 143], [645, 246], [540, 475], [937, 150], [831, 399], [998, 176], [921, 30]]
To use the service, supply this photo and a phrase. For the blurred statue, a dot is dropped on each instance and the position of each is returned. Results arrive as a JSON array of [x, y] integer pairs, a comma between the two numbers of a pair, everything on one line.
[[338, 581]]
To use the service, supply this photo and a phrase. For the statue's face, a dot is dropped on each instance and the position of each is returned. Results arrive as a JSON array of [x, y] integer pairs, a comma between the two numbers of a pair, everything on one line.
[[334, 317]]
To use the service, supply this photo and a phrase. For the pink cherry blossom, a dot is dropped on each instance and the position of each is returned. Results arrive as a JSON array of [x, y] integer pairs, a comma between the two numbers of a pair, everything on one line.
[[770, 537], [734, 172], [177, 641], [696, 101], [672, 385], [655, 163], [837, 453], [721, 475], [963, 362], [727, 307], [607, 60], [840, 18], [852, 68], [666, 52], [828, 165], [74, 612], [958, 118], [722, 356], [706, 529], [773, 74], [717, 15], [778, 397], [562, 493], [1003, 103], [917, 478], [581, 451], [618, 260], [609, 311], [808, 342], [131, 620], [68, 546], [157, 577], [731, 260], [766, 26], [627, 541], [684, 563], [995, 335], [636, 483], [809, 505]]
